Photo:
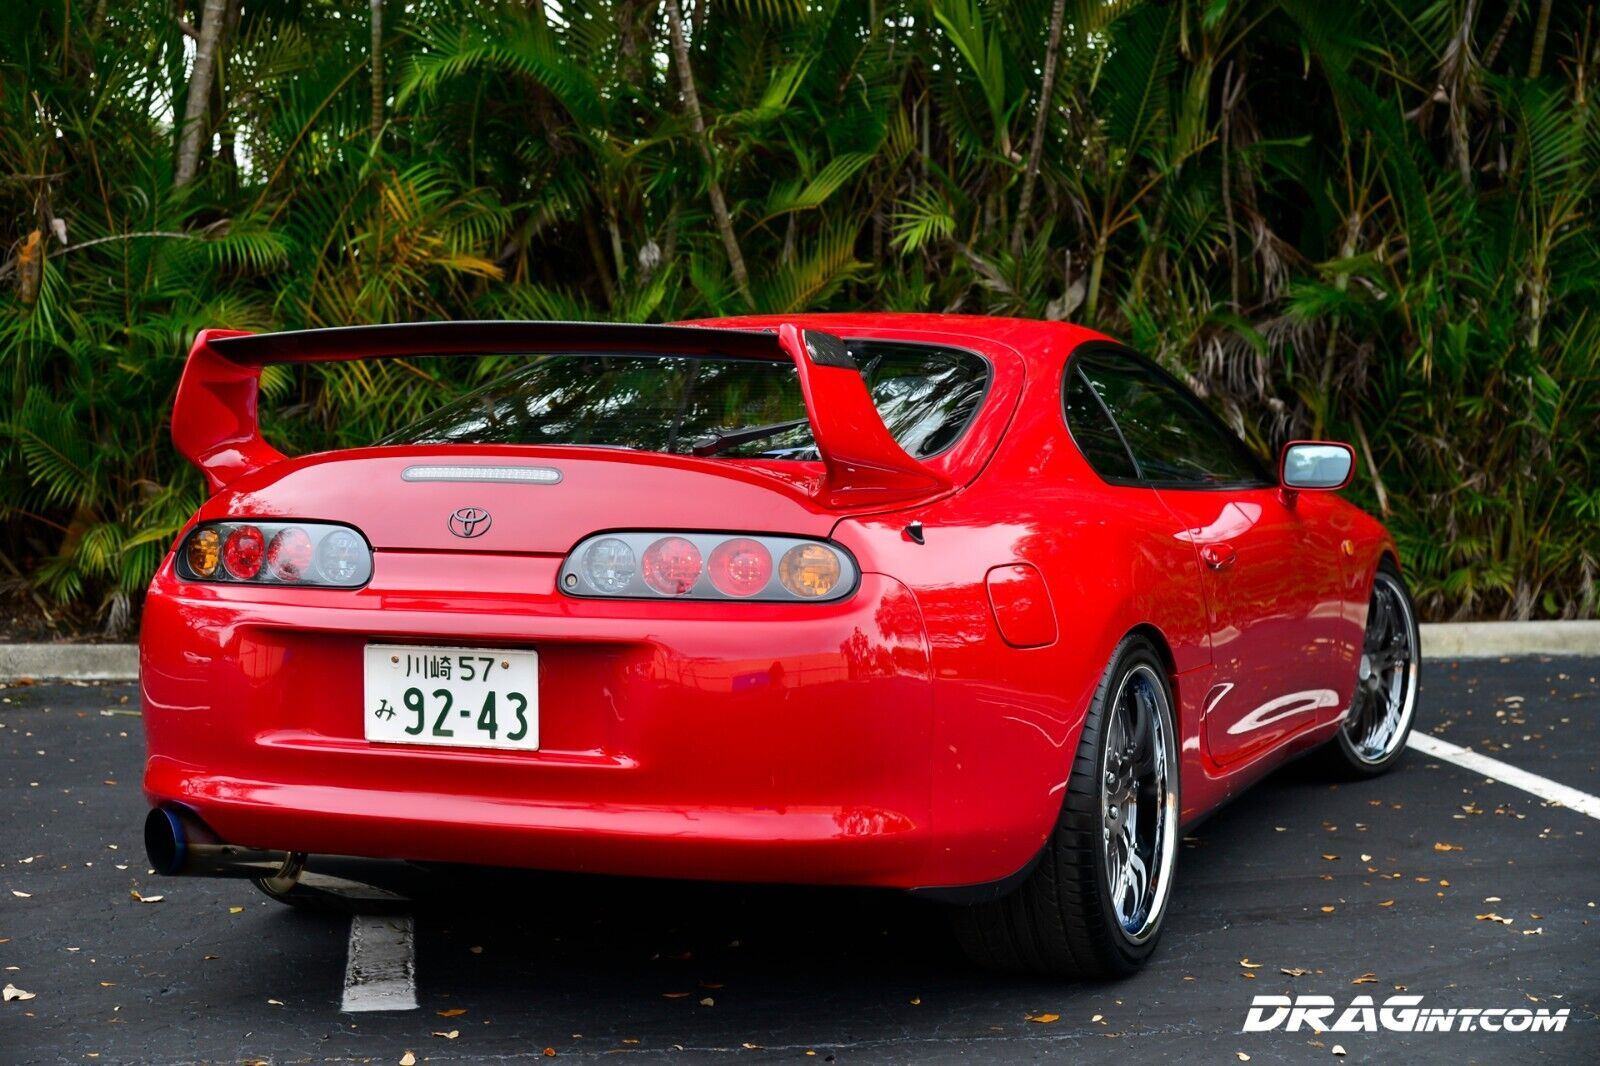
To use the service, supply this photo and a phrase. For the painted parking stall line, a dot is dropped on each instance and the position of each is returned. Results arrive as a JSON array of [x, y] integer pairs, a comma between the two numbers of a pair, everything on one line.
[[381, 968], [1542, 787]]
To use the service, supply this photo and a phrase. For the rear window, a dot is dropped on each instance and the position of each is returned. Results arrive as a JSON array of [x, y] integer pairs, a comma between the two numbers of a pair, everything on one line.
[[927, 396]]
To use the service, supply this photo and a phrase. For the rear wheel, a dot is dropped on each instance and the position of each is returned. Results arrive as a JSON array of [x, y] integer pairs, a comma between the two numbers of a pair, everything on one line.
[[1094, 904], [1374, 732]]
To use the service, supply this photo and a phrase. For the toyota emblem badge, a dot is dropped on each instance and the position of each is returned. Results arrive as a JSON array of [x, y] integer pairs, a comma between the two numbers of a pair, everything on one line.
[[469, 521]]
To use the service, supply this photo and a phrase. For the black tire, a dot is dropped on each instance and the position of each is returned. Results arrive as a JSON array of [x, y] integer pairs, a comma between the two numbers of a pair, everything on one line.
[[1346, 755], [1061, 921]]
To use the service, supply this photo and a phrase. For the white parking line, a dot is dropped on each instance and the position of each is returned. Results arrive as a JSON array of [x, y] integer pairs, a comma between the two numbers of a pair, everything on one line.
[[1546, 789], [381, 970]]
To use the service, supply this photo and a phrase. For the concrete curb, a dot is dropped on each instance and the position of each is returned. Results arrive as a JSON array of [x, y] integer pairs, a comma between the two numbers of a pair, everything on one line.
[[1443, 640], [1493, 640], [70, 662]]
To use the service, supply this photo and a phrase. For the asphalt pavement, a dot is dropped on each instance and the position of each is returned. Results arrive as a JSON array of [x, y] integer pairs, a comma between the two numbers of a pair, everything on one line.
[[1432, 881]]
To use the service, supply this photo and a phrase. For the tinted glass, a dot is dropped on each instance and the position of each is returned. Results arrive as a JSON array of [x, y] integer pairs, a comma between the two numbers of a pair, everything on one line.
[[927, 397], [1174, 438], [1091, 428]]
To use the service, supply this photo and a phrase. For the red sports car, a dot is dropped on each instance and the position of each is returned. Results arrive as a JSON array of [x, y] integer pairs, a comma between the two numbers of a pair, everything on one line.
[[984, 608]]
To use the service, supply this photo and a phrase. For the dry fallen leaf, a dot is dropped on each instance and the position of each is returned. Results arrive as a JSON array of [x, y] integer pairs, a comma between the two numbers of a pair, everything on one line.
[[1441, 846], [276, 1002], [676, 995], [21, 895], [1366, 979], [708, 1002], [408, 1059], [235, 910], [453, 1012], [11, 992], [549, 1052], [146, 899], [1097, 1018], [1327, 910], [1366, 858], [1242, 1056], [1044, 1019], [1387, 903], [451, 1035], [1338, 1049], [916, 1001], [1493, 917], [1331, 858], [1294, 971], [1247, 964]]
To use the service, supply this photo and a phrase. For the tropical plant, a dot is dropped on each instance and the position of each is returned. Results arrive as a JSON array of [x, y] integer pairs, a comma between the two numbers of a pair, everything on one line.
[[1369, 221]]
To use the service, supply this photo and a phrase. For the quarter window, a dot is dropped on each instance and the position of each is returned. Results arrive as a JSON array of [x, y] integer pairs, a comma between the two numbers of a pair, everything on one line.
[[1091, 428], [1174, 438]]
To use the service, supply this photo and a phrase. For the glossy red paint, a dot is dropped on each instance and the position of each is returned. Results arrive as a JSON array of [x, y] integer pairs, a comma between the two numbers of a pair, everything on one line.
[[896, 737], [1021, 603]]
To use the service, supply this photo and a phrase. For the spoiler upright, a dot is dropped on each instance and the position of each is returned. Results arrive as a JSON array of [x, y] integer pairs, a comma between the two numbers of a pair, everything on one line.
[[216, 427]]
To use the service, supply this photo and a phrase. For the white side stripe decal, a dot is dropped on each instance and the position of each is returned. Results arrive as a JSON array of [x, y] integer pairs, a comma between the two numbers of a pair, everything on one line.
[[1287, 706]]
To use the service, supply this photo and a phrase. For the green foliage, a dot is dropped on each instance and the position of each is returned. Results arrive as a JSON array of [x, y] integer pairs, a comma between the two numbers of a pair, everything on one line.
[[1364, 221]]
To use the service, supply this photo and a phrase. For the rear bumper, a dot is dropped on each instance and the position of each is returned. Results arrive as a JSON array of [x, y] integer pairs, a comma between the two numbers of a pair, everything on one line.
[[762, 742]]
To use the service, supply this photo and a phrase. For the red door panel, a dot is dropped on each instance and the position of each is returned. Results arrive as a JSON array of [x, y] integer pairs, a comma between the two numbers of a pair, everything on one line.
[[1273, 595]]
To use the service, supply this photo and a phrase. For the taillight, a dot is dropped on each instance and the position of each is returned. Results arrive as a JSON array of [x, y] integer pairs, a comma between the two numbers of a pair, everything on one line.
[[241, 552], [289, 554], [672, 565], [708, 566], [742, 566], [276, 553], [809, 570]]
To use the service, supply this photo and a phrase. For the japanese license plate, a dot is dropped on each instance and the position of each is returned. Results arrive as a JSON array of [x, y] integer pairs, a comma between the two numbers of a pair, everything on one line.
[[452, 697]]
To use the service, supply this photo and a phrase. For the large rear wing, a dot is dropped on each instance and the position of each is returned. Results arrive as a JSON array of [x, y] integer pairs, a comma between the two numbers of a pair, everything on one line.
[[215, 423]]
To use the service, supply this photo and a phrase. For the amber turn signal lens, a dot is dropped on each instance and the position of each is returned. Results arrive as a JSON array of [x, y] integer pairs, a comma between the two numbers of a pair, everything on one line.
[[205, 549], [809, 570]]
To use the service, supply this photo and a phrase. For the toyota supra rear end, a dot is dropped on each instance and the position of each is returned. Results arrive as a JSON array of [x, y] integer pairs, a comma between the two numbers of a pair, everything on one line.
[[983, 608]]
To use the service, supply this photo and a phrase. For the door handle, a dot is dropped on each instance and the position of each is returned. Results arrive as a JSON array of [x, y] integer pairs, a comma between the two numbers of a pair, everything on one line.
[[1218, 556]]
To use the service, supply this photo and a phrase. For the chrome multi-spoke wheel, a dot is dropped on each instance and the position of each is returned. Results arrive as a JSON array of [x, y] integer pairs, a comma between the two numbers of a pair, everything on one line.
[[1093, 901], [1385, 698], [1138, 805]]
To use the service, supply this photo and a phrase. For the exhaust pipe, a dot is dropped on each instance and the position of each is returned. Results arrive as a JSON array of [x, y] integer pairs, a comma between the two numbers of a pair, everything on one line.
[[181, 845]]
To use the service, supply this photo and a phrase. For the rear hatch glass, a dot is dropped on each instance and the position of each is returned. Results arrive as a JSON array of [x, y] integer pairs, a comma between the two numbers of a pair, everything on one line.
[[927, 395]]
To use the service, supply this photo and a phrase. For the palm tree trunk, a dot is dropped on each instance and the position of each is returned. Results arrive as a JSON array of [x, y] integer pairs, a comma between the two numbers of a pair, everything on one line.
[[1541, 32], [691, 103], [377, 70], [1036, 149], [192, 132]]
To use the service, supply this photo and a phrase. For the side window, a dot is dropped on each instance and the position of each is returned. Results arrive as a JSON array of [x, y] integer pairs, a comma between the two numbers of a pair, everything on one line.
[[1091, 428], [1175, 439]]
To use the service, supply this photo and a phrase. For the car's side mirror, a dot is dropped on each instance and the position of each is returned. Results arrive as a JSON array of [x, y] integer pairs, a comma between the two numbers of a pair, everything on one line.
[[1318, 465]]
